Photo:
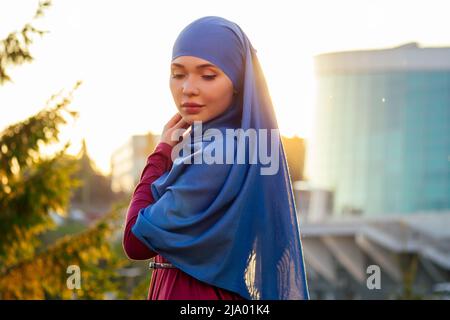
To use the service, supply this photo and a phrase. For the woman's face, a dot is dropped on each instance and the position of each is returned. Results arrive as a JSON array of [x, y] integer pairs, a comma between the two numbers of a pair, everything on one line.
[[194, 80]]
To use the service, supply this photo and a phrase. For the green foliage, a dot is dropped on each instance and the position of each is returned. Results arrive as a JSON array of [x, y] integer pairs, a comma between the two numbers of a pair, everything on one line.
[[44, 274], [141, 290], [32, 187], [14, 49]]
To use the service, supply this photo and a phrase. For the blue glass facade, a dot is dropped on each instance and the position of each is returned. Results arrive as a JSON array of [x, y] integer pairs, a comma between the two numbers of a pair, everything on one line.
[[383, 140]]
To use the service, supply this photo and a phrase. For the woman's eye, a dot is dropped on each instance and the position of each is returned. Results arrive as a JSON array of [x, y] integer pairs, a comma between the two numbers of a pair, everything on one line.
[[210, 77], [207, 77]]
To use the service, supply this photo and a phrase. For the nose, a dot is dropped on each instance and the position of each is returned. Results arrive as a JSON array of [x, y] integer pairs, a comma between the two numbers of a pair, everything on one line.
[[190, 87]]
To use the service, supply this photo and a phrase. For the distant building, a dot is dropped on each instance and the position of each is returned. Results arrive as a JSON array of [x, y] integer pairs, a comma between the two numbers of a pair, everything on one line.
[[411, 253], [94, 197], [312, 204], [295, 154], [129, 160], [379, 169], [383, 130]]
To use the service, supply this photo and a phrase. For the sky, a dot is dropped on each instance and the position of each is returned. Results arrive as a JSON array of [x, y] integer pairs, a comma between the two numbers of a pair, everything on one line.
[[121, 51]]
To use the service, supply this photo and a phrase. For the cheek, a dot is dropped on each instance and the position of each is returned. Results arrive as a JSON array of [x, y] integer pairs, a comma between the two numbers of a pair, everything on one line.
[[221, 104], [225, 95], [173, 87], [176, 93], [219, 92]]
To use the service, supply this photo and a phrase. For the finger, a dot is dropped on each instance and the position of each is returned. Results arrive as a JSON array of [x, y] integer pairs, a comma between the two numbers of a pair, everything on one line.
[[174, 120], [185, 125], [181, 124]]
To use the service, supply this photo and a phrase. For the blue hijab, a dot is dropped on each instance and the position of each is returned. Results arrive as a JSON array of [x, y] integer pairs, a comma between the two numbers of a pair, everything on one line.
[[227, 224]]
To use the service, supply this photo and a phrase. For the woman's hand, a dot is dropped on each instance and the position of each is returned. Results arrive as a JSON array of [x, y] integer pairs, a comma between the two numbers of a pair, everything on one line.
[[176, 122]]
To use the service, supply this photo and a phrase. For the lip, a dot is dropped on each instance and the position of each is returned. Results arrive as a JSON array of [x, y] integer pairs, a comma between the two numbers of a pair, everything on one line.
[[192, 108], [191, 105]]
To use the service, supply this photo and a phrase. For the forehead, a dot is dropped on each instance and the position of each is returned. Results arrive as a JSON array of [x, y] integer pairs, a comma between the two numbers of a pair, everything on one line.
[[191, 62]]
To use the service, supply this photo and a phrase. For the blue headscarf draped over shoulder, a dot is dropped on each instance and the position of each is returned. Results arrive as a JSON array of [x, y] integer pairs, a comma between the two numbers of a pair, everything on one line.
[[226, 224]]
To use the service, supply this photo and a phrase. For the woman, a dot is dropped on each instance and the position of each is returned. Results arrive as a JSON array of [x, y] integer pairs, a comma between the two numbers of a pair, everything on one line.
[[222, 230]]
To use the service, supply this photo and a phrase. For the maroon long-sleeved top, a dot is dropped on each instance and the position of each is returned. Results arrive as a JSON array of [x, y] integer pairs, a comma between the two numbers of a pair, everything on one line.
[[166, 284], [157, 163]]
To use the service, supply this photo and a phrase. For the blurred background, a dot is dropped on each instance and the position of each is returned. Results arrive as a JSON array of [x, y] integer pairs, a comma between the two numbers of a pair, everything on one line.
[[361, 90]]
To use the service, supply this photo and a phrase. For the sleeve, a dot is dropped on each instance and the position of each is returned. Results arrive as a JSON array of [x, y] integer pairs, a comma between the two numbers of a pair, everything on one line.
[[157, 164]]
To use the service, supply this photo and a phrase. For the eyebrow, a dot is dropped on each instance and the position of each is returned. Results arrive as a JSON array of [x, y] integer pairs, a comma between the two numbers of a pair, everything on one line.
[[205, 65]]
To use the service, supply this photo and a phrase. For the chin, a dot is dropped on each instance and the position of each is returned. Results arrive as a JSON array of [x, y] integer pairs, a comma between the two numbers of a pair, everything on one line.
[[190, 118]]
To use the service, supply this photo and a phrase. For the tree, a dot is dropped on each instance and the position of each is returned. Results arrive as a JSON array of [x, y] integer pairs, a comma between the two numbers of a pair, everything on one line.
[[14, 49], [32, 187]]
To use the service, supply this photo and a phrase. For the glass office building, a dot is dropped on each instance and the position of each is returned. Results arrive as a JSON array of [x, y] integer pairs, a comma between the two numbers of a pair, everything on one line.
[[382, 141]]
